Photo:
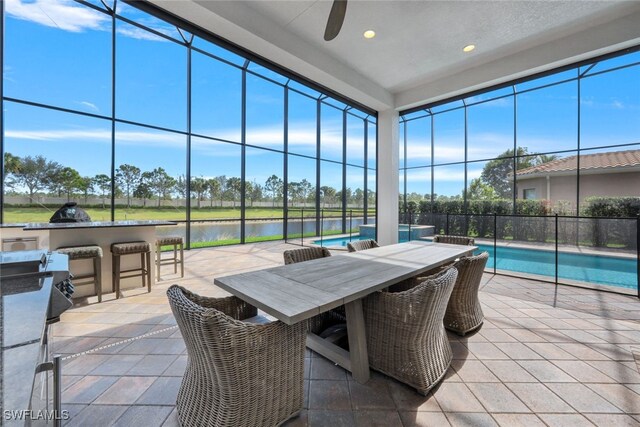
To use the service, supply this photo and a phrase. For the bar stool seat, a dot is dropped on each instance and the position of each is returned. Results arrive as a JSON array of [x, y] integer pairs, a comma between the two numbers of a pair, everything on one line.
[[131, 248], [92, 252], [176, 242], [169, 240]]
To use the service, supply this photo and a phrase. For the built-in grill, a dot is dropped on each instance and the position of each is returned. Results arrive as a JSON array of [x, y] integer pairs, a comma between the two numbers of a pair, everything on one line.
[[70, 212], [36, 290]]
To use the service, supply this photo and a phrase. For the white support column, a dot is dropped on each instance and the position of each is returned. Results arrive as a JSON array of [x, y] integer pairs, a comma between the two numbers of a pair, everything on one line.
[[388, 149]]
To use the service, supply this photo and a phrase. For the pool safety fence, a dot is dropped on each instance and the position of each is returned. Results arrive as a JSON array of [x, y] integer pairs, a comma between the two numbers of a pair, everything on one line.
[[617, 233], [347, 219]]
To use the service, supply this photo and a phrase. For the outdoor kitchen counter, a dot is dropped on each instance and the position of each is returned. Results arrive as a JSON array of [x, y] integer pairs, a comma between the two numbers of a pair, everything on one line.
[[24, 304], [102, 234]]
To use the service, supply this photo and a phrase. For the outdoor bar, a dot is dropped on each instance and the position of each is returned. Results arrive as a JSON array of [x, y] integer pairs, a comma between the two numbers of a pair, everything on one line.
[[311, 213]]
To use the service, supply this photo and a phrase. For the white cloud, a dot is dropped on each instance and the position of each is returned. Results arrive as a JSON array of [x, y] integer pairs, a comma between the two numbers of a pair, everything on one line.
[[138, 33], [90, 106], [617, 104], [70, 16], [141, 138], [449, 174], [59, 134], [63, 14]]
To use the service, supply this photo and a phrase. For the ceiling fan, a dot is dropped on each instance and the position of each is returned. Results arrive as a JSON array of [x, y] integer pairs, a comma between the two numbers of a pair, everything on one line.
[[336, 18]]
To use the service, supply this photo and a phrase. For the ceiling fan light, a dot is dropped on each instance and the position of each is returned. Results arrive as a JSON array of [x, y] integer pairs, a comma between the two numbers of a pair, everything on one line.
[[369, 34], [468, 48]]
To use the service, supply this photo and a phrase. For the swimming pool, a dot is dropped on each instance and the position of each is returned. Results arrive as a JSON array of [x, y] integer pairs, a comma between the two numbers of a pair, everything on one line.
[[599, 269]]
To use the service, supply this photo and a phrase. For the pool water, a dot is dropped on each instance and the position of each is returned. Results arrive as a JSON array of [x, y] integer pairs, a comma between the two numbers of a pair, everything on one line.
[[604, 270]]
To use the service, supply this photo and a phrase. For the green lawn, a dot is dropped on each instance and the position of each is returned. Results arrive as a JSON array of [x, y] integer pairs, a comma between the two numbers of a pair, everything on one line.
[[41, 214]]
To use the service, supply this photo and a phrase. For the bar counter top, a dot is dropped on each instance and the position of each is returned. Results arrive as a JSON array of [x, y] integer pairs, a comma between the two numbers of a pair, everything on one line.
[[95, 224], [25, 290]]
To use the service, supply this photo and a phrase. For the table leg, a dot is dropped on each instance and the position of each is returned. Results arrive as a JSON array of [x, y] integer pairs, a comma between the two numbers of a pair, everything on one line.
[[357, 341]]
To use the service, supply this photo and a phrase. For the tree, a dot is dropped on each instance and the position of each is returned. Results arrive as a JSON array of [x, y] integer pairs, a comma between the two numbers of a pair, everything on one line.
[[222, 181], [371, 198], [347, 193], [233, 189], [11, 163], [545, 158], [143, 190], [358, 197], [161, 184], [65, 180], [478, 190], [180, 187], [35, 173], [274, 186], [213, 188], [256, 192], [85, 186], [295, 192], [306, 189], [128, 178], [327, 195], [498, 173], [199, 186], [103, 183]]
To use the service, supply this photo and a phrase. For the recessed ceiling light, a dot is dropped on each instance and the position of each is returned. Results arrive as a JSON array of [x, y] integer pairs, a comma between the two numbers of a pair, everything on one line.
[[469, 48], [369, 34]]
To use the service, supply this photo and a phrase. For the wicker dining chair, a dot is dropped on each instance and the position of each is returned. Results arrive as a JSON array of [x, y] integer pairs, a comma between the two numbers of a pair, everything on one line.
[[238, 373], [305, 254], [454, 240], [406, 339], [464, 313], [362, 245]]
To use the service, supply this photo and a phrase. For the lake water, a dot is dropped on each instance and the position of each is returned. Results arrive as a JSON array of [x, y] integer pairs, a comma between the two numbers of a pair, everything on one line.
[[214, 231]]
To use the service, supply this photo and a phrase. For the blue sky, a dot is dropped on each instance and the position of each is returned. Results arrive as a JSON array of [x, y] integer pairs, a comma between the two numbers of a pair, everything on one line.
[[58, 53], [547, 121]]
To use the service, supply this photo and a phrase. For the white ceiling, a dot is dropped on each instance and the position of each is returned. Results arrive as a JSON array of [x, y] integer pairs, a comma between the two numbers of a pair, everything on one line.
[[417, 55]]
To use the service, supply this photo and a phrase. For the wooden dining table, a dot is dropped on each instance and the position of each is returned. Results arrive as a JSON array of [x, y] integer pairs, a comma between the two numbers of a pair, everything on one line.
[[296, 292]]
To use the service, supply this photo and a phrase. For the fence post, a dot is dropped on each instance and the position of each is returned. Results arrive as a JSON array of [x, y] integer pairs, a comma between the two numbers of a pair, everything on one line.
[[638, 253], [446, 228], [321, 227], [350, 223], [495, 242], [302, 226], [409, 230], [556, 249]]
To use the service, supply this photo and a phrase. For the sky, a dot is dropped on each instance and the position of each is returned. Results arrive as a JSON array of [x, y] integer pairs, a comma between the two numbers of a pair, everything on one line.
[[58, 52], [547, 121]]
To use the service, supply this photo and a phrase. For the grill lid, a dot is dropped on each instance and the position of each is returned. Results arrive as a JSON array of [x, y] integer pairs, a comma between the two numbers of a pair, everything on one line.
[[70, 213]]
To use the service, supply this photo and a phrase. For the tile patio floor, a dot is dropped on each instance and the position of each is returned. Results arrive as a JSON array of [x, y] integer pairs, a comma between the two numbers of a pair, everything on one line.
[[544, 356]]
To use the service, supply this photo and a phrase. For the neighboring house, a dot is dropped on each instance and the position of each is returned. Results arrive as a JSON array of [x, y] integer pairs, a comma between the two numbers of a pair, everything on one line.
[[612, 174]]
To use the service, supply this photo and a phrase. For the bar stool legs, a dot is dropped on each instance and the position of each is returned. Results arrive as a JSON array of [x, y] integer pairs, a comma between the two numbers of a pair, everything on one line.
[[97, 269], [177, 243], [144, 271], [115, 272], [93, 252]]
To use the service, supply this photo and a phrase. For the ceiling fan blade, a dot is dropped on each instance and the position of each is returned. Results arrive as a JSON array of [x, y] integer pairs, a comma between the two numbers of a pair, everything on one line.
[[336, 18]]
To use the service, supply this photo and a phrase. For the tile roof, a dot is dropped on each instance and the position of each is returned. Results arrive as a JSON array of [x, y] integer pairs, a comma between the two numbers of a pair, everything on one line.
[[608, 160]]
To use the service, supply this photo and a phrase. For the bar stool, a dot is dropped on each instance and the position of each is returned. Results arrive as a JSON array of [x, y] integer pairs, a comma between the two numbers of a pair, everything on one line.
[[92, 252], [131, 248], [174, 241]]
